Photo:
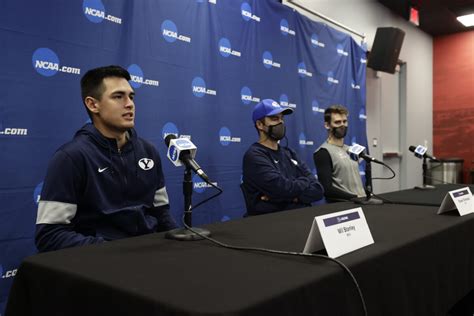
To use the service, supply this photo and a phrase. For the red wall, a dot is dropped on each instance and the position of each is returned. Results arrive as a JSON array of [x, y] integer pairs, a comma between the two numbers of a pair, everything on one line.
[[453, 98]]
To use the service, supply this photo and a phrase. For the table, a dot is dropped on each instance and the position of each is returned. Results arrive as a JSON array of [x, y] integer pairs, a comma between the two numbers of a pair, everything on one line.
[[421, 264], [432, 197]]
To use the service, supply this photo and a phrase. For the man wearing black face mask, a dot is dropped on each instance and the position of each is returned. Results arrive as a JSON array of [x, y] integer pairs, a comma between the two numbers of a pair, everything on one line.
[[338, 173], [274, 178]]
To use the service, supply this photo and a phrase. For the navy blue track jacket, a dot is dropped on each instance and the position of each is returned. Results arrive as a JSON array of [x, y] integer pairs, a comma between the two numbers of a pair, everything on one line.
[[280, 176], [93, 192]]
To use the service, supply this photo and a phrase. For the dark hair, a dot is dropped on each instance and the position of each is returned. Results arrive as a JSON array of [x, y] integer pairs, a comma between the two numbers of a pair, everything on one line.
[[337, 109], [92, 83]]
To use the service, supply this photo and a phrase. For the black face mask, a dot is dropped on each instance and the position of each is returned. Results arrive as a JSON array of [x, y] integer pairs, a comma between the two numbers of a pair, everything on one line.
[[339, 132], [276, 132]]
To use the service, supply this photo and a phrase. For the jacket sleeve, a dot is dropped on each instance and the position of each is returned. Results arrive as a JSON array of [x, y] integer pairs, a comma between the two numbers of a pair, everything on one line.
[[323, 163], [161, 206], [314, 191], [261, 173], [58, 205]]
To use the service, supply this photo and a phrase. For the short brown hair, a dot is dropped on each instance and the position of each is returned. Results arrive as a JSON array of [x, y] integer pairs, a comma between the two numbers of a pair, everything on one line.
[[337, 109]]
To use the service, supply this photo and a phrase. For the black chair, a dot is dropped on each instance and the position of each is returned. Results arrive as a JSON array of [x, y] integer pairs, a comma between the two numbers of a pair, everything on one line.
[[246, 199]]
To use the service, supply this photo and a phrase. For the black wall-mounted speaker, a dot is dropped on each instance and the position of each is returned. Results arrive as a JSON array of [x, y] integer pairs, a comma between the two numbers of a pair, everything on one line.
[[386, 49]]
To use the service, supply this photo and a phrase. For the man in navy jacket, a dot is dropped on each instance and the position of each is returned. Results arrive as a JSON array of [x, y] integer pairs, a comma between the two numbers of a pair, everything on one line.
[[274, 178], [107, 183]]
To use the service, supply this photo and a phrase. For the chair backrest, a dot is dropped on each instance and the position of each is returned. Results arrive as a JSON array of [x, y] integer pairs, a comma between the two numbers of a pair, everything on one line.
[[246, 199]]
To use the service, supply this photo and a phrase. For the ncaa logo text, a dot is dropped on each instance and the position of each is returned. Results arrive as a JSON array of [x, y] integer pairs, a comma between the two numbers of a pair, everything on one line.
[[355, 86], [199, 186], [226, 138], [341, 51], [315, 41], [362, 115], [225, 48], [94, 11], [146, 163], [46, 63], [303, 142], [137, 78], [268, 62], [246, 96], [315, 107], [173, 153], [246, 11], [285, 28], [210, 1], [12, 131], [9, 274], [285, 102], [302, 72], [363, 60], [170, 32], [331, 79], [199, 88]]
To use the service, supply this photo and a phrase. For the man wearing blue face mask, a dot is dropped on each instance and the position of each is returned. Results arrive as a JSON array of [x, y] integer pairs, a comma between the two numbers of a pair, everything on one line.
[[274, 178], [338, 173]]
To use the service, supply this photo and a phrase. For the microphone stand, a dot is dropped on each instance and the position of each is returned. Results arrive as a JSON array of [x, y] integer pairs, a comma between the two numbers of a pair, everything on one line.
[[368, 188], [425, 170], [183, 233]]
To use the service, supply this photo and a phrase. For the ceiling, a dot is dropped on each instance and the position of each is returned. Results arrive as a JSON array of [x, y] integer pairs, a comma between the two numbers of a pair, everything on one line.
[[437, 17]]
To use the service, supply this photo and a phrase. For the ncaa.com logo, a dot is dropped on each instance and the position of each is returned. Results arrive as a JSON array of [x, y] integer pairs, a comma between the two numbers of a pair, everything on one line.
[[302, 72], [137, 78], [199, 88], [169, 30], [246, 11], [14, 131], [331, 80], [199, 185], [210, 1], [225, 48], [303, 142], [315, 107], [285, 28], [225, 137], [94, 11], [284, 101], [268, 62], [46, 63], [8, 273], [354, 85], [170, 128], [362, 115], [340, 50], [315, 41], [246, 96]]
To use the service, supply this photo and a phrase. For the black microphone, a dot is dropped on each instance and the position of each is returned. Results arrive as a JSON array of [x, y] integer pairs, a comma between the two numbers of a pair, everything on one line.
[[420, 152], [356, 151], [185, 156]]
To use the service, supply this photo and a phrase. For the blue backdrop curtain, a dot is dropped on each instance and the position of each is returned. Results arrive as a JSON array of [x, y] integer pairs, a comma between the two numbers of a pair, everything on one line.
[[198, 67]]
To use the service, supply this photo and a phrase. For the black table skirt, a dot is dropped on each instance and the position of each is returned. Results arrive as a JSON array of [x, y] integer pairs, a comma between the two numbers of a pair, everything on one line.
[[421, 264]]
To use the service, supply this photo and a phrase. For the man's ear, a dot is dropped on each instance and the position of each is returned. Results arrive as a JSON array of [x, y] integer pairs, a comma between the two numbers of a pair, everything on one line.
[[259, 125], [326, 126], [91, 104]]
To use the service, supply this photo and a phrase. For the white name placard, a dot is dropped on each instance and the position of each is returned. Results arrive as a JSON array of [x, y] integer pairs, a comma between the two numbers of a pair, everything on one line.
[[340, 232], [460, 199]]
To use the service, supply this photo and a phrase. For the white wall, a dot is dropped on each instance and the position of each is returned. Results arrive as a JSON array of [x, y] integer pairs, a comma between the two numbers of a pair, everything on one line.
[[416, 110]]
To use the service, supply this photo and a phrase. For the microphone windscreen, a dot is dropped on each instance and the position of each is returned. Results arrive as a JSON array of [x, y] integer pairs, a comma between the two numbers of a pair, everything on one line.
[[412, 148], [168, 138]]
